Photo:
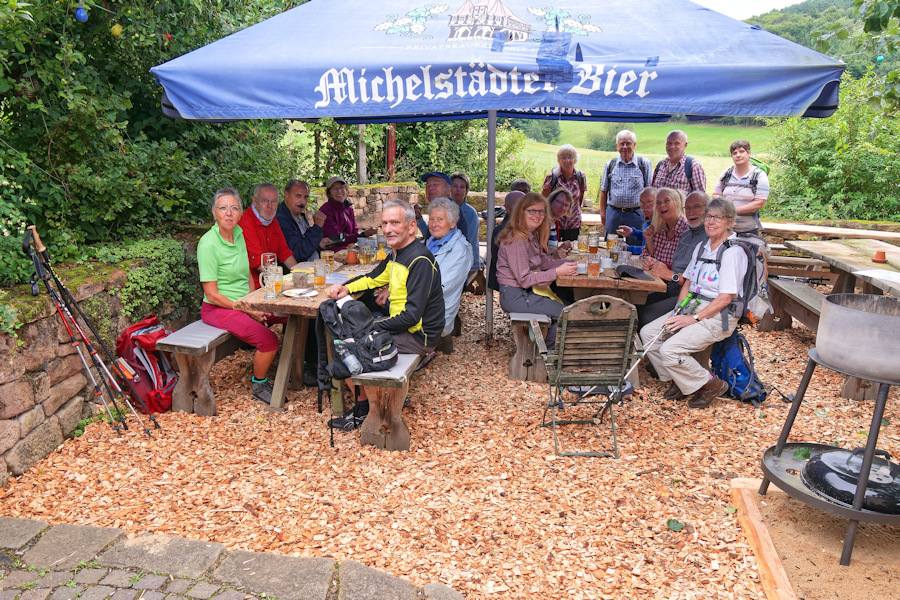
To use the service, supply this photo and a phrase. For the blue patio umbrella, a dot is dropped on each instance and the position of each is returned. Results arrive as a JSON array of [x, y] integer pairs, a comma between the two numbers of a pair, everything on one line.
[[408, 60]]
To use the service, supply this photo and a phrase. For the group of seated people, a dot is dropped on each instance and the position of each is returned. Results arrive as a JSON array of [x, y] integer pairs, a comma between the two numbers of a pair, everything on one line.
[[417, 289]]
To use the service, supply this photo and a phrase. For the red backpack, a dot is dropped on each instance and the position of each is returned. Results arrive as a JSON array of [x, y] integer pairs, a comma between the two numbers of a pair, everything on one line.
[[154, 378]]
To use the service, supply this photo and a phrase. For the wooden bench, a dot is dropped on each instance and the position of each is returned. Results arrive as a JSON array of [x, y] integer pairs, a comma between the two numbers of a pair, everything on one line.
[[792, 299], [525, 364], [197, 347], [384, 426]]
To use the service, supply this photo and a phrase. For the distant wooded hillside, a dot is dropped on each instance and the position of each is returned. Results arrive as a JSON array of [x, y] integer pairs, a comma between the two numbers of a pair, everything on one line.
[[803, 23]]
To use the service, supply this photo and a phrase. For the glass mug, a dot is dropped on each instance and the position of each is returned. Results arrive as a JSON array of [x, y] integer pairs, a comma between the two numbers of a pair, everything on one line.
[[610, 240], [616, 250], [593, 242], [269, 259], [277, 276], [321, 273], [365, 254], [583, 244], [328, 256], [593, 265], [268, 283]]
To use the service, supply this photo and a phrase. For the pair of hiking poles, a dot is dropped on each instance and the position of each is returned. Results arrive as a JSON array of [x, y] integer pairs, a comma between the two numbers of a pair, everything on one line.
[[67, 307]]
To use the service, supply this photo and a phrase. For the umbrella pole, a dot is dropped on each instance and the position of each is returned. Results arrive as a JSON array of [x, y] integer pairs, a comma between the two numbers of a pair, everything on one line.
[[491, 180]]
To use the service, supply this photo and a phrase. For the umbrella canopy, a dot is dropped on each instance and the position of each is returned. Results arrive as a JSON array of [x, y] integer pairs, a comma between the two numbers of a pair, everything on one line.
[[395, 60]]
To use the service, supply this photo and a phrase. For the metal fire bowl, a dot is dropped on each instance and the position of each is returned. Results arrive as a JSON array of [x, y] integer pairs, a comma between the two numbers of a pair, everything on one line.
[[784, 471], [858, 334]]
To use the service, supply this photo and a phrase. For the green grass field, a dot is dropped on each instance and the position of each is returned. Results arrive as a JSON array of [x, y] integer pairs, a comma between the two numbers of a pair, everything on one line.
[[706, 142]]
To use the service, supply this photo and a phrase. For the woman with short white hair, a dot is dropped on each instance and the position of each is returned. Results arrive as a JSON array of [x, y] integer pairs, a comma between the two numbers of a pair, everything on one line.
[[453, 254], [565, 175]]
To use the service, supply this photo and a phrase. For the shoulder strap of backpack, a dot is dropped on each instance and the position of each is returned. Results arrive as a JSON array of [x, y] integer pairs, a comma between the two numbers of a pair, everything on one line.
[[657, 168], [644, 166], [554, 178], [726, 177], [689, 172], [754, 179], [754, 385], [609, 169]]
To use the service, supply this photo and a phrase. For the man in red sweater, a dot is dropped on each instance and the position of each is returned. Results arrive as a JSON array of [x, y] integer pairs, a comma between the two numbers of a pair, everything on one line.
[[262, 233]]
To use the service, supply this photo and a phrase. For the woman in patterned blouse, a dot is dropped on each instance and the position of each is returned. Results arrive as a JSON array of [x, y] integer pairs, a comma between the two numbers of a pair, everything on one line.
[[664, 232]]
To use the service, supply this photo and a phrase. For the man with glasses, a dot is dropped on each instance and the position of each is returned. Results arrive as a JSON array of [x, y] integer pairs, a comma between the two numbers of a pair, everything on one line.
[[660, 303], [262, 232], [623, 179]]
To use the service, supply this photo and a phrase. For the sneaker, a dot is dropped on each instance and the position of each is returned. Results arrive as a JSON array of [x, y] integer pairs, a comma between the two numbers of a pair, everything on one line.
[[262, 391], [347, 422]]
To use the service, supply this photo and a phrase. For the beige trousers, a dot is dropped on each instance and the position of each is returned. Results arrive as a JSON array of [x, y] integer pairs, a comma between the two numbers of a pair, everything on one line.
[[671, 357]]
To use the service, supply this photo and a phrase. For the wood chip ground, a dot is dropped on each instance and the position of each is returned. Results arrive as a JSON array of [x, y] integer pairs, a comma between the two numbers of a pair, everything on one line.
[[480, 502]]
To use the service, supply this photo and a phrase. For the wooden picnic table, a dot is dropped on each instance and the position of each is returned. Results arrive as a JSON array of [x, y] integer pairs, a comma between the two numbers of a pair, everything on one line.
[[608, 283], [299, 312], [851, 259]]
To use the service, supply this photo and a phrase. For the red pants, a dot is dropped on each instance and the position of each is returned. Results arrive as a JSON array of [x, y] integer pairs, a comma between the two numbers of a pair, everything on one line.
[[242, 326]]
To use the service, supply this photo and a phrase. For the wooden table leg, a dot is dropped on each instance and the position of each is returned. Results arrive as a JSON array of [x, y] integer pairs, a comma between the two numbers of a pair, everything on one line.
[[296, 380], [384, 426], [845, 284], [284, 364]]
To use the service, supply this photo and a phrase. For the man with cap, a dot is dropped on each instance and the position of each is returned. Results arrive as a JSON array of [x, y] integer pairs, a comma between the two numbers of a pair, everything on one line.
[[437, 185], [303, 239], [262, 233], [340, 220]]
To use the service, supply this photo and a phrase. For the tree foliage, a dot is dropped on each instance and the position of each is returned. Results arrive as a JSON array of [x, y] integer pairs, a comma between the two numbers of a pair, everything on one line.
[[85, 152], [843, 167], [545, 131]]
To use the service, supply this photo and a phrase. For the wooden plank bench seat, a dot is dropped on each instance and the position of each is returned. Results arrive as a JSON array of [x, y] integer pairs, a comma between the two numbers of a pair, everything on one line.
[[526, 364], [197, 347], [384, 426], [792, 299]]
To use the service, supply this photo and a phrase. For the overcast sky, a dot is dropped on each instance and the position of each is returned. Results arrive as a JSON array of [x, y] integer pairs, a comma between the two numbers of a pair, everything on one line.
[[737, 9]]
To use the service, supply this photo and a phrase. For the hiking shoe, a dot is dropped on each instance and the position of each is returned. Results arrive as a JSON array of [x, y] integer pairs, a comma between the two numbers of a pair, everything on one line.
[[407, 402], [310, 379], [262, 391], [705, 396], [673, 393], [347, 422]]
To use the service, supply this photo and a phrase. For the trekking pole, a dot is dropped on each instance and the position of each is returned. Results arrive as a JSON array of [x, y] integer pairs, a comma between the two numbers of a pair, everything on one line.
[[690, 301], [108, 380], [40, 274], [812, 280]]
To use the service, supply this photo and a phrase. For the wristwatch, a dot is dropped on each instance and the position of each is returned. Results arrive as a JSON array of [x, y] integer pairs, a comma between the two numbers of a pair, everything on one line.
[[676, 277], [696, 317]]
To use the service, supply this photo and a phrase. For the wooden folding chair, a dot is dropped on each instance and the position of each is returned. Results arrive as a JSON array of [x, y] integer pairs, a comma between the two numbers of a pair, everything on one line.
[[594, 348]]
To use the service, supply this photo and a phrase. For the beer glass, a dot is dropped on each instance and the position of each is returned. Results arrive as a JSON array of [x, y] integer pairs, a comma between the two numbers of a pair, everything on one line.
[[321, 273]]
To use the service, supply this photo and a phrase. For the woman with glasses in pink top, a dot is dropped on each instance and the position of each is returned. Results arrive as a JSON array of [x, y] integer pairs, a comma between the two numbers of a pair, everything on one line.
[[524, 269]]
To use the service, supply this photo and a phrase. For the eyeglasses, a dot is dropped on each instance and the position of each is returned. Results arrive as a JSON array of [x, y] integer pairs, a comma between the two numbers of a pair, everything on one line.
[[714, 218], [267, 202], [228, 209], [535, 212]]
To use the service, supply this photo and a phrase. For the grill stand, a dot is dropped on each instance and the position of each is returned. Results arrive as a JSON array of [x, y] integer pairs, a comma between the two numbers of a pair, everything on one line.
[[783, 469]]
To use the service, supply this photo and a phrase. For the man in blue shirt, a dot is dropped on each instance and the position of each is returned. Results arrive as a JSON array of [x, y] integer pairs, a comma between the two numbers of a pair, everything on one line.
[[303, 239], [623, 179]]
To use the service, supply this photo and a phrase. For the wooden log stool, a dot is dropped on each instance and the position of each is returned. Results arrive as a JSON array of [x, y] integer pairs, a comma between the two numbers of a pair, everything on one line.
[[384, 426], [525, 364]]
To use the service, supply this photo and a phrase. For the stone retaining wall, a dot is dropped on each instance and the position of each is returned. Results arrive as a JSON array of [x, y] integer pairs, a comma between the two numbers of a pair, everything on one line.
[[368, 199], [44, 391]]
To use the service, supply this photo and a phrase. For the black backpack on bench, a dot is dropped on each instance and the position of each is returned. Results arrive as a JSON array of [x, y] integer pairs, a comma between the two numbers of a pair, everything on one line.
[[353, 335]]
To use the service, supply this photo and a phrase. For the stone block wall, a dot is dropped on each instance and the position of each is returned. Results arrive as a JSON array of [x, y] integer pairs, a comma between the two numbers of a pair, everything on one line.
[[44, 391], [368, 199]]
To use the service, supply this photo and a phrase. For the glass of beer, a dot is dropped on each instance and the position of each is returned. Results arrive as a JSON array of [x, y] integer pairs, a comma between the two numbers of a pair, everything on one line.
[[582, 244], [593, 242], [321, 273], [278, 276], [593, 265], [268, 259], [328, 257], [365, 254], [610, 240]]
